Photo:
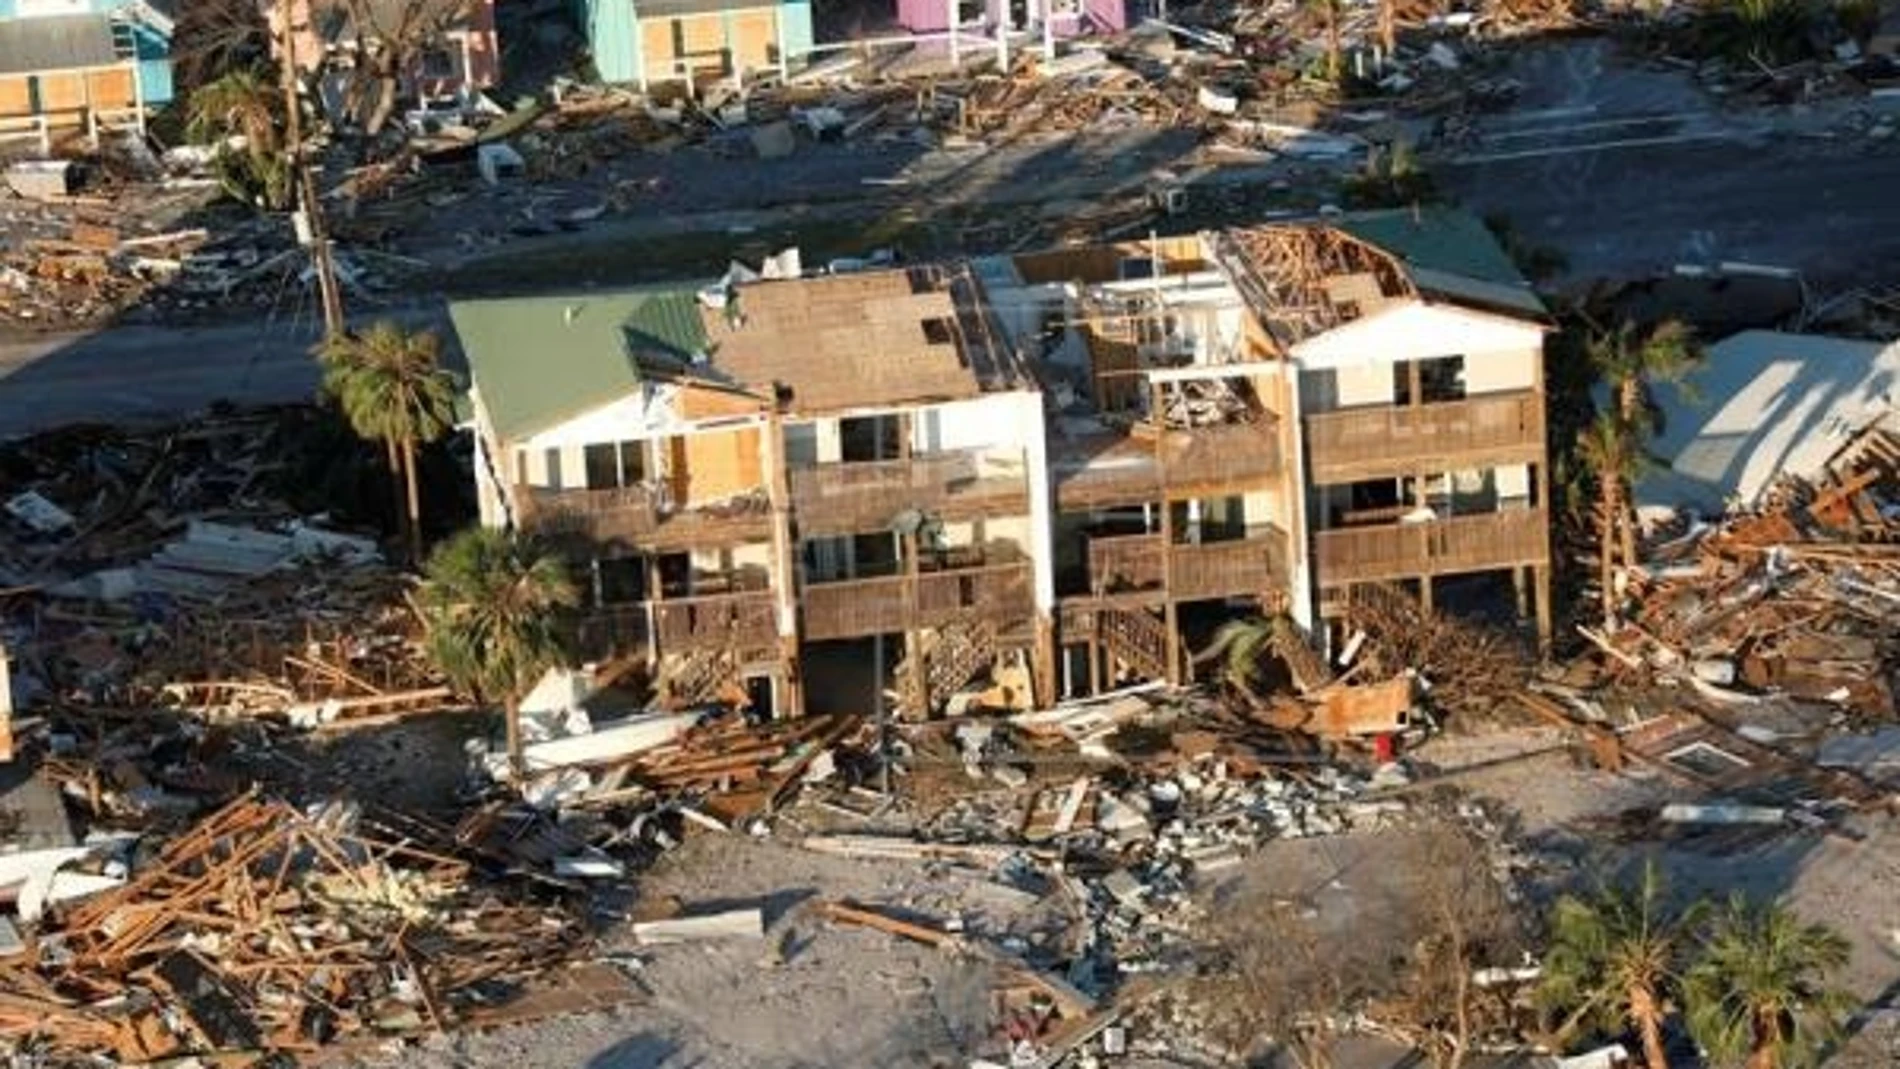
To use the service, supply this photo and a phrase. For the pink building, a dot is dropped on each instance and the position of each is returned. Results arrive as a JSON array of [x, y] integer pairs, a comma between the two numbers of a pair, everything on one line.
[[1069, 18], [464, 58]]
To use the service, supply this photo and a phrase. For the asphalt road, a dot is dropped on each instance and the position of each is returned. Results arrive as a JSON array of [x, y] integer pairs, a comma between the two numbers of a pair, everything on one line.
[[135, 373], [1827, 211]]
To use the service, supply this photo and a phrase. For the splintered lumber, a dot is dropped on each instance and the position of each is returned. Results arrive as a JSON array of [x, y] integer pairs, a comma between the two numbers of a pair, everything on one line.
[[1070, 1001], [731, 924], [845, 913], [983, 855], [268, 928]]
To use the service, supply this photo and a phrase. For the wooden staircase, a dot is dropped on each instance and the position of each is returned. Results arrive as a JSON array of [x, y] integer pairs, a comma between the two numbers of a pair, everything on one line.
[[959, 651], [1136, 638]]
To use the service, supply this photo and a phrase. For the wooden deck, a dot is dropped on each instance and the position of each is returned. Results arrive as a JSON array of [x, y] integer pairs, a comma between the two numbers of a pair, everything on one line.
[[744, 622], [1234, 568], [1111, 470], [1390, 440], [860, 608], [844, 498], [1440, 547], [639, 517]]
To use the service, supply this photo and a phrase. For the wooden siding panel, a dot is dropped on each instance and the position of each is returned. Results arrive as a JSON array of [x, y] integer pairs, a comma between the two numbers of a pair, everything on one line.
[[15, 97], [719, 465], [62, 92], [112, 88], [754, 39]]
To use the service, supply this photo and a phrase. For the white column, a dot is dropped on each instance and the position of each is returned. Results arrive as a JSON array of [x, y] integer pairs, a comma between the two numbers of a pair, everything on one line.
[[1042, 514], [784, 57], [1303, 587], [1049, 30], [950, 22]]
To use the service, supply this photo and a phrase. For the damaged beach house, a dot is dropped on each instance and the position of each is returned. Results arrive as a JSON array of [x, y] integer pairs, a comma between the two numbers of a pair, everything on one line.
[[80, 68], [450, 47], [1046, 474]]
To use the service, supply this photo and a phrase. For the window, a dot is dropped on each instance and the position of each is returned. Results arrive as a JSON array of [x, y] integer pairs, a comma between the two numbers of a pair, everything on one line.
[[939, 332], [633, 463], [614, 464], [1135, 267], [1428, 381], [553, 481], [1442, 379], [622, 580], [603, 466]]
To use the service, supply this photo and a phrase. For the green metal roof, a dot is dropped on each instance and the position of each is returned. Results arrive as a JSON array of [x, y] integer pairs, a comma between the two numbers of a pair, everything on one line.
[[541, 360], [1448, 252]]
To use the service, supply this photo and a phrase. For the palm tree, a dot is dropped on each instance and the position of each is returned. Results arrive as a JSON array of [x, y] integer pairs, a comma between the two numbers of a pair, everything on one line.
[[491, 605], [392, 388], [1330, 13], [1614, 960], [243, 103], [1609, 450], [1244, 643], [1633, 363], [1758, 990]]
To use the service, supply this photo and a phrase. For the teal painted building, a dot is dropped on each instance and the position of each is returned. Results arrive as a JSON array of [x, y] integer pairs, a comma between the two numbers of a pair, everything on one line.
[[141, 29], [655, 42]]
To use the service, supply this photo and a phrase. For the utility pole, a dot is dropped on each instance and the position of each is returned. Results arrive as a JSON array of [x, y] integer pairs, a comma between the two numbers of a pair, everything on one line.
[[310, 231]]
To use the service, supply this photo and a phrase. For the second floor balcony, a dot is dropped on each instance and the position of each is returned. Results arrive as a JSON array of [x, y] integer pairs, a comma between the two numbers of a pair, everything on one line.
[[1104, 471], [1479, 431], [847, 497], [744, 622], [1252, 564], [859, 608], [1472, 543], [644, 516]]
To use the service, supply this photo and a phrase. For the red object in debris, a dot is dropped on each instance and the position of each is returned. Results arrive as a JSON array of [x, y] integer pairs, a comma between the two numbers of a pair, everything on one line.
[[1385, 747]]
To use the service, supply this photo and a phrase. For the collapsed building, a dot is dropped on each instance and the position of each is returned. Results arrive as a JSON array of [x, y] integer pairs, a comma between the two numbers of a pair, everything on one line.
[[1041, 467]]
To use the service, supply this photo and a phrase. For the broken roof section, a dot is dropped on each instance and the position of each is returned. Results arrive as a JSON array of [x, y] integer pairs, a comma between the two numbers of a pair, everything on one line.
[[824, 344], [538, 361], [866, 340], [1305, 278], [56, 43], [1762, 405]]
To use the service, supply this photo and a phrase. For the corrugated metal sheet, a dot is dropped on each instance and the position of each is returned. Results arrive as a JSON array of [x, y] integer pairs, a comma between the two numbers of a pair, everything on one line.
[[59, 43]]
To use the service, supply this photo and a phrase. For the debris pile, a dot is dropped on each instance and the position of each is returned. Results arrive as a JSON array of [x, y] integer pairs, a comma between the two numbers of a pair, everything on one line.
[[1797, 598], [166, 567], [267, 928]]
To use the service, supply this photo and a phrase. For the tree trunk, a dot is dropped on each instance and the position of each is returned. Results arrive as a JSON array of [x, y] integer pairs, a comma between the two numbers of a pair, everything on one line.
[[1607, 509], [1767, 1042], [1389, 28], [414, 501], [1332, 41], [517, 763], [1629, 398], [1461, 1034], [396, 486], [1648, 1018]]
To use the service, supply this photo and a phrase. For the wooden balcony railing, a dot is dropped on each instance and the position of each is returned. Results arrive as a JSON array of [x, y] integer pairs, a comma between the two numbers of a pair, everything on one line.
[[1104, 472], [858, 608], [1367, 443], [612, 631], [848, 497], [747, 621], [1221, 457], [1231, 568], [642, 515], [1238, 568], [1458, 544]]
